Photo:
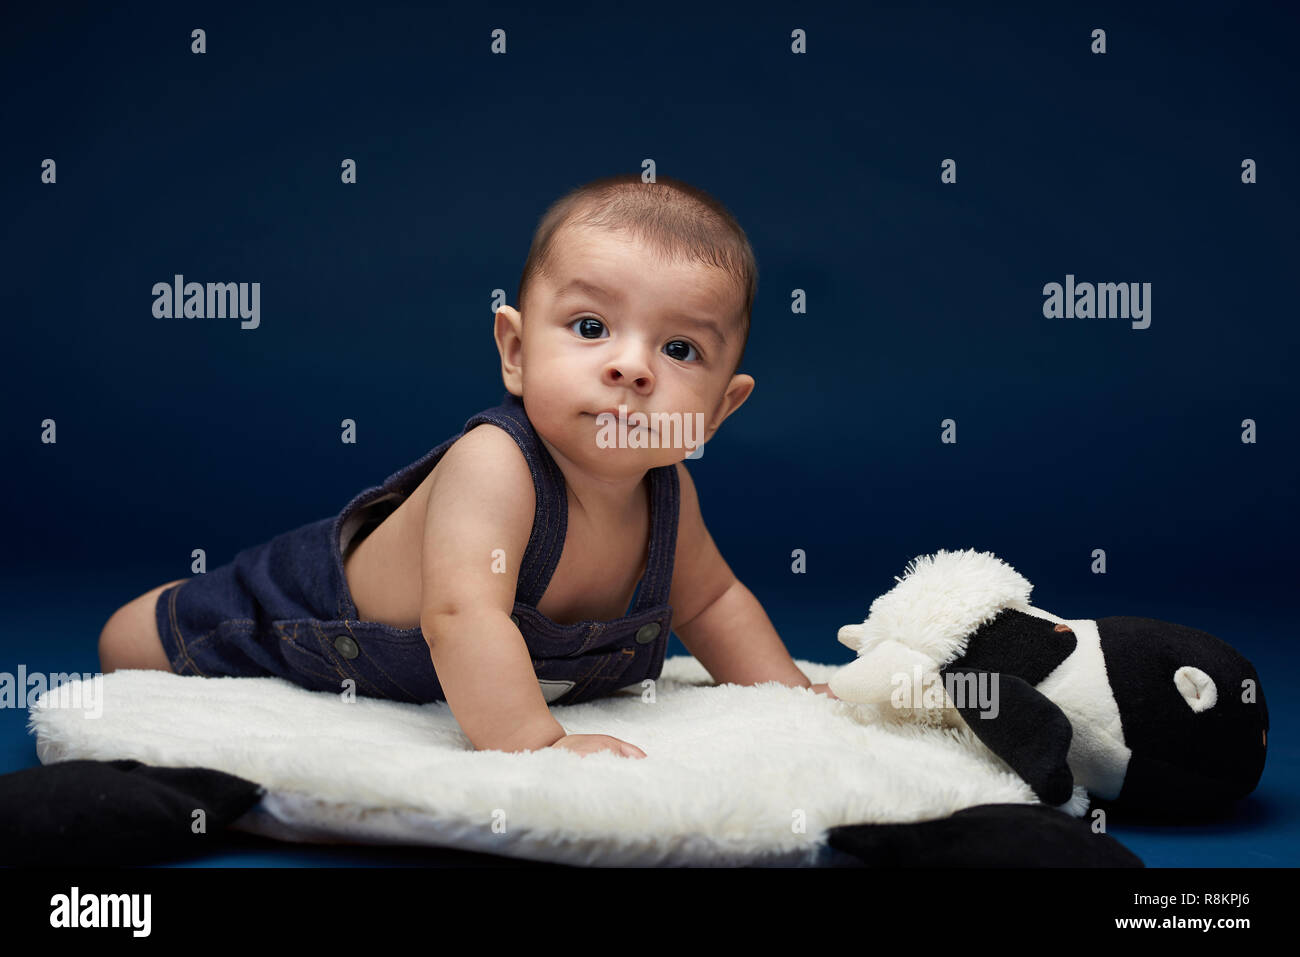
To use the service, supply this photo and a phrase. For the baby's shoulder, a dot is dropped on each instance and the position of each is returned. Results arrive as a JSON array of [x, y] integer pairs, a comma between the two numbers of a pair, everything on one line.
[[486, 439], [486, 458]]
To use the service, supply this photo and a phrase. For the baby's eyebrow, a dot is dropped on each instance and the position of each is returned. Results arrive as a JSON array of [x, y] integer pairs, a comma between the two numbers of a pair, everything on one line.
[[582, 286], [708, 325]]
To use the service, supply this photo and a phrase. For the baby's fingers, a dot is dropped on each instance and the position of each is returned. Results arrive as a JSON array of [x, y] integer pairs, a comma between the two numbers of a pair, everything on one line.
[[630, 750]]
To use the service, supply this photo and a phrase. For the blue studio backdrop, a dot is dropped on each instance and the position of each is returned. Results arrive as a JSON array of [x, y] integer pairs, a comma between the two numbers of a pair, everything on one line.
[[912, 177]]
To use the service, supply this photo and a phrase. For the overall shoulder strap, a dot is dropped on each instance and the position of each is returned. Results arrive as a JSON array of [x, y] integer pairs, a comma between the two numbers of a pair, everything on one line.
[[665, 492], [550, 521]]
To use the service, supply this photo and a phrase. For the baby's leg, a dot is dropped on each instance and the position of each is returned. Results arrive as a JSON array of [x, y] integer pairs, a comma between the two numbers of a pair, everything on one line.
[[130, 638]]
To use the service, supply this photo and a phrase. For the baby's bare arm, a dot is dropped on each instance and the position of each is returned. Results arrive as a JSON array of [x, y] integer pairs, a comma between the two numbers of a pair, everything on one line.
[[487, 675], [477, 524], [721, 623]]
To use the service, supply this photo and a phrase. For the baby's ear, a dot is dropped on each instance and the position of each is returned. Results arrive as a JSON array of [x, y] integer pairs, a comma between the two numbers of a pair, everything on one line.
[[733, 398]]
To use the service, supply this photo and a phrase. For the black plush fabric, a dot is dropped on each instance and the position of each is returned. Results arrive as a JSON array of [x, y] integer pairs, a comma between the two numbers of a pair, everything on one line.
[[106, 813], [1030, 733], [1017, 643], [990, 835], [77, 813], [1183, 759]]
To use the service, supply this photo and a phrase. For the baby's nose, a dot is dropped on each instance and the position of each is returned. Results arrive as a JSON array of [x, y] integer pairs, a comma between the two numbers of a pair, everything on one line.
[[622, 372]]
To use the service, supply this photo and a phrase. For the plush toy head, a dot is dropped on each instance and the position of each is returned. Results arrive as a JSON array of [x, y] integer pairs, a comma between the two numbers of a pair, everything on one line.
[[1199, 727], [1141, 712]]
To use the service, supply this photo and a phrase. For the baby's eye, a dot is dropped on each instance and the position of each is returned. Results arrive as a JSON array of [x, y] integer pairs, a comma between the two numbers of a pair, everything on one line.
[[680, 342], [588, 324]]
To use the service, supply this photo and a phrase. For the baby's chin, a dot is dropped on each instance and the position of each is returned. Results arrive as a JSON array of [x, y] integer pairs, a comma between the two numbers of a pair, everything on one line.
[[585, 449]]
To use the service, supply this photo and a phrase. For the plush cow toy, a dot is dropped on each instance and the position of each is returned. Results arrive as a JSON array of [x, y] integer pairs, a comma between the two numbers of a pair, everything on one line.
[[1142, 713]]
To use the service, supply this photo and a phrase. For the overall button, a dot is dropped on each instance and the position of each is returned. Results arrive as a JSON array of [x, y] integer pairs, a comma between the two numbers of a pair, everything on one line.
[[647, 633], [515, 619], [346, 646]]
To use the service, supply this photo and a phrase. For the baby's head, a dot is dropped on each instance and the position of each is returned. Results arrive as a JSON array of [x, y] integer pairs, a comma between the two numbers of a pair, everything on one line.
[[636, 294]]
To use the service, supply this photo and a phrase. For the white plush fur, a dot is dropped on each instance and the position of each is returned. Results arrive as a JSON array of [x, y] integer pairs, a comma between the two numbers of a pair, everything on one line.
[[926, 620], [734, 775], [939, 601]]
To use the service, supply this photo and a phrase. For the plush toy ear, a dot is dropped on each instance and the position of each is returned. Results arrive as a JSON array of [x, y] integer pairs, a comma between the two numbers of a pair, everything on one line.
[[852, 635], [1022, 727], [1196, 687]]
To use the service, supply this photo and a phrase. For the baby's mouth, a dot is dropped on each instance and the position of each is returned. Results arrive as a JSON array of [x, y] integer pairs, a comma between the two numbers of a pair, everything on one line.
[[627, 422]]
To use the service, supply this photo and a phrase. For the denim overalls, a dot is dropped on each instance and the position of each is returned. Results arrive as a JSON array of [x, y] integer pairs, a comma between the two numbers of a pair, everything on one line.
[[283, 608]]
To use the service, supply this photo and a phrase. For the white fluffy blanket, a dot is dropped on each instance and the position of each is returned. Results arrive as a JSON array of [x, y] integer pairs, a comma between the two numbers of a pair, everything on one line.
[[734, 775]]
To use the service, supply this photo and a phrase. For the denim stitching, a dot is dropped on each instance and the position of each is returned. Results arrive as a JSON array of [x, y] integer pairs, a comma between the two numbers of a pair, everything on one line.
[[195, 642], [327, 651], [665, 531], [298, 647], [300, 670], [580, 684], [530, 570], [361, 648], [654, 548], [542, 539], [623, 656], [334, 659], [241, 633], [293, 643], [652, 573], [550, 522], [626, 655], [176, 628], [296, 667]]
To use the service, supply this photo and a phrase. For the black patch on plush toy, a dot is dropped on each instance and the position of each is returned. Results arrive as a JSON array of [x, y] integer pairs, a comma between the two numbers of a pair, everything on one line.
[[1029, 733], [1194, 743], [108, 813], [1015, 643], [1013, 653], [987, 835]]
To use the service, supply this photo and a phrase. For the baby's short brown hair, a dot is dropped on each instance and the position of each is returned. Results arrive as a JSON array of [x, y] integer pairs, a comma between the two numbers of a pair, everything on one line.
[[674, 218]]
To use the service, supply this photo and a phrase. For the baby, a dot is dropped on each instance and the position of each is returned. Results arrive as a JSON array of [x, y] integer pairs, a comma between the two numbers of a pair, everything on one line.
[[544, 557]]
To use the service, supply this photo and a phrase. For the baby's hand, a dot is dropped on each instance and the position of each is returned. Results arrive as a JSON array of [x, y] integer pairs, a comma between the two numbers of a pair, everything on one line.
[[826, 690], [591, 743]]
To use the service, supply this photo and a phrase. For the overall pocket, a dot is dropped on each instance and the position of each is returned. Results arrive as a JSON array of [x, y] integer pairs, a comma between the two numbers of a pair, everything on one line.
[[301, 646], [221, 652], [384, 662], [597, 675]]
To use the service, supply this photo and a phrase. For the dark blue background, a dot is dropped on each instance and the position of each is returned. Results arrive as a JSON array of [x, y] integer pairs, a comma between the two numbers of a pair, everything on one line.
[[925, 299]]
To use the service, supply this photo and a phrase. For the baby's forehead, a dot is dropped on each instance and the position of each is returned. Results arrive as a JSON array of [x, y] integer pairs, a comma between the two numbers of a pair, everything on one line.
[[574, 243], [576, 269]]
